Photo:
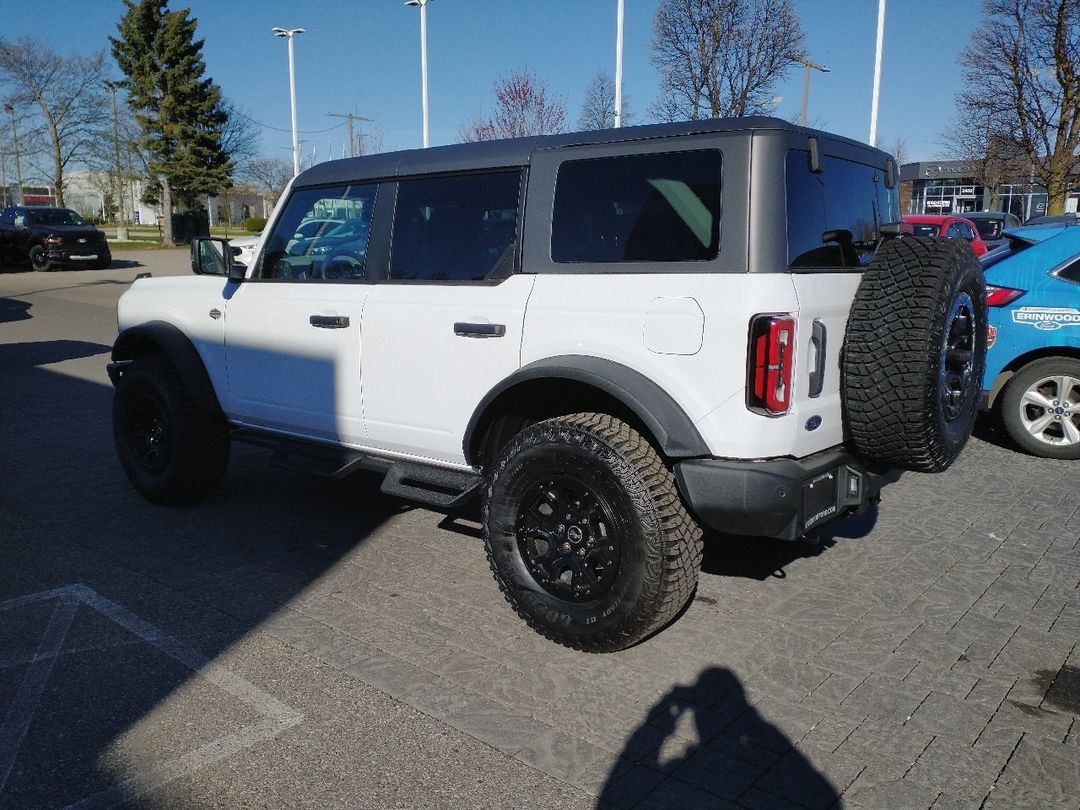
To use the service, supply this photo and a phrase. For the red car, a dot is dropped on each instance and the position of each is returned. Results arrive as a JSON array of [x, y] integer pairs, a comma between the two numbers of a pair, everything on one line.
[[937, 225]]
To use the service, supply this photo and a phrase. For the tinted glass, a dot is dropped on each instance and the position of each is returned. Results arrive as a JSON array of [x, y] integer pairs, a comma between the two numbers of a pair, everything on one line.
[[988, 228], [321, 236], [923, 229], [1071, 272], [459, 228], [638, 208], [835, 216]]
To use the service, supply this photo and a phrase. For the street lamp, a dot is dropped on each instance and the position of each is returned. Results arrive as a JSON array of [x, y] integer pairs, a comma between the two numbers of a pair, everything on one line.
[[423, 59], [18, 165], [877, 70], [806, 84], [289, 33], [118, 190], [618, 62]]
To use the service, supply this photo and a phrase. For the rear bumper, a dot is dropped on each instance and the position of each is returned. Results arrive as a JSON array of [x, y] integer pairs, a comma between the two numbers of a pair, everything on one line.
[[782, 498]]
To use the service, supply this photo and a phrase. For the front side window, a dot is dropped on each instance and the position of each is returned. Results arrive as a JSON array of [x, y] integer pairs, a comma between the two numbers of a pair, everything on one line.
[[638, 208], [835, 215], [322, 235], [455, 228]]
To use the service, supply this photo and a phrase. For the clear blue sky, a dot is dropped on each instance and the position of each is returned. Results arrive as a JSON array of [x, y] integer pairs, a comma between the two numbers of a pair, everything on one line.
[[363, 57]]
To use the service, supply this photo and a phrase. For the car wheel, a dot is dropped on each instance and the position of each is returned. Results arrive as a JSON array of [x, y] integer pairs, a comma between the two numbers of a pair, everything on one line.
[[914, 354], [1040, 408], [171, 450], [38, 259], [586, 534]]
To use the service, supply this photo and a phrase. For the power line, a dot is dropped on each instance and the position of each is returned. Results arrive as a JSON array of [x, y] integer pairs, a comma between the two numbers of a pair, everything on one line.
[[349, 117], [279, 129]]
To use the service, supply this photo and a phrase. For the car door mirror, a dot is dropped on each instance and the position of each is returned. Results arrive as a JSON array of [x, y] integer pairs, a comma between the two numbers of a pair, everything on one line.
[[212, 256]]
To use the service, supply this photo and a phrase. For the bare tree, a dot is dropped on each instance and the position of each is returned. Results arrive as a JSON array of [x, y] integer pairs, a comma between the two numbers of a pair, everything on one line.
[[1022, 73], [993, 157], [239, 137], [65, 93], [269, 175], [721, 58], [523, 106], [598, 108]]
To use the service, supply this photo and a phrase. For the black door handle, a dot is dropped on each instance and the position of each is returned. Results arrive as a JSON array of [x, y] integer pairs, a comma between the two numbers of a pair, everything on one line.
[[484, 330], [817, 374], [329, 321]]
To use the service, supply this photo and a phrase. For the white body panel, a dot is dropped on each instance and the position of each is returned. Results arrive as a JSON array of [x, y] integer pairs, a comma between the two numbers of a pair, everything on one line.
[[288, 375], [609, 316], [421, 382], [184, 302]]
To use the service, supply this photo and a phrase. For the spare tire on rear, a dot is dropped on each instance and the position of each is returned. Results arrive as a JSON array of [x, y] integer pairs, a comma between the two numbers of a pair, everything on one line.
[[914, 353]]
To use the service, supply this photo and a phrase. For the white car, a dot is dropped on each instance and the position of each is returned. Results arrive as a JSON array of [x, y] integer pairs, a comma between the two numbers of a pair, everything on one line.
[[613, 339]]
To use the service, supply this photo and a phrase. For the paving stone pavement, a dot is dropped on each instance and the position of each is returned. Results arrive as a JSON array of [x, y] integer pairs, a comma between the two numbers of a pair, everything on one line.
[[922, 656]]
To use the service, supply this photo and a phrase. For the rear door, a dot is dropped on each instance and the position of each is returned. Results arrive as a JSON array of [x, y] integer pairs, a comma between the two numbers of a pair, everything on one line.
[[445, 326]]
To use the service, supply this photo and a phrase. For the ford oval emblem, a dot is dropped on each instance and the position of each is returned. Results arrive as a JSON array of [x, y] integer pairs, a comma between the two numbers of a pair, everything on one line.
[[813, 423]]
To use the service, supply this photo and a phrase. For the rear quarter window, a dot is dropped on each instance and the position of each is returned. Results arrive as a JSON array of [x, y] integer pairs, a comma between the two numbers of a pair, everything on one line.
[[638, 208]]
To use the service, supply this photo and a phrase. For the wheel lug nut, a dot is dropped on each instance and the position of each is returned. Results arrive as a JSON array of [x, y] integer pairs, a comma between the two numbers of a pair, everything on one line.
[[565, 546]]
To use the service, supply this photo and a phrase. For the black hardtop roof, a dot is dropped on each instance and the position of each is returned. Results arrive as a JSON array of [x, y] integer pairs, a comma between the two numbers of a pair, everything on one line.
[[512, 152]]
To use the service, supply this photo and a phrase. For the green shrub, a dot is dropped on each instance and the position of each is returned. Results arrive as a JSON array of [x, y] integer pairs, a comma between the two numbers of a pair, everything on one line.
[[254, 224]]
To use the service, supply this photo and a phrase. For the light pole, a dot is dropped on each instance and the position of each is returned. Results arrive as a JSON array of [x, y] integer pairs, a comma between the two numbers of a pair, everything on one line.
[[118, 189], [289, 33], [618, 63], [877, 70], [423, 60], [806, 84], [18, 164]]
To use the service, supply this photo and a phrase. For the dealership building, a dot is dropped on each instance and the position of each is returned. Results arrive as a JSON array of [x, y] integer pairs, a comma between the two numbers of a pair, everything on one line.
[[949, 187]]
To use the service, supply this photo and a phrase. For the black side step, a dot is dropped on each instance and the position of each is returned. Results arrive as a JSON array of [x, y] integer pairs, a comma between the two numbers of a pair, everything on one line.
[[431, 485], [326, 462]]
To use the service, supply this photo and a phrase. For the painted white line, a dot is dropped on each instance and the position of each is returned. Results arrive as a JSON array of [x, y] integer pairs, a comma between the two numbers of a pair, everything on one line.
[[277, 717], [20, 713]]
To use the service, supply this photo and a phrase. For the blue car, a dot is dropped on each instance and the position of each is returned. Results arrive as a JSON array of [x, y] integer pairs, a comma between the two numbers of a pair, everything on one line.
[[1033, 362]]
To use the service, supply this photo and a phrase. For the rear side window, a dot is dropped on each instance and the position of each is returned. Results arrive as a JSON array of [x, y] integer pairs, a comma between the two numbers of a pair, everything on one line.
[[1071, 271], [835, 215], [455, 228], [638, 208]]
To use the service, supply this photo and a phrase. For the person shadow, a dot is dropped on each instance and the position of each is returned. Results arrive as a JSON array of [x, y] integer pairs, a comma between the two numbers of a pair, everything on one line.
[[704, 746]]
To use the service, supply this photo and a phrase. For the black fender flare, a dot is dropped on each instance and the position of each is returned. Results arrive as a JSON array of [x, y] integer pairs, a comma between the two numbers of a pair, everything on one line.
[[159, 336], [673, 430]]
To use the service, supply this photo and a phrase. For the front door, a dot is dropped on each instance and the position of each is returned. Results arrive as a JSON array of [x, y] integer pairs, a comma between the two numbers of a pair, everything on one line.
[[293, 330], [445, 326]]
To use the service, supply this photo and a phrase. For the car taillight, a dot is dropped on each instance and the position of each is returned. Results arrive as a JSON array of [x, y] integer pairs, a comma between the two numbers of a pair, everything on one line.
[[770, 357], [1001, 296]]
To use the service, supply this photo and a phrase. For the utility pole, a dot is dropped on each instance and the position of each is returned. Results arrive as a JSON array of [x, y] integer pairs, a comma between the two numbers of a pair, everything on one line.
[[18, 165], [349, 118], [118, 188]]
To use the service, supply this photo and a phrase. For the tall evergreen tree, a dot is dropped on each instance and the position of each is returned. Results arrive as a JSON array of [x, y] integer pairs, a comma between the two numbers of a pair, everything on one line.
[[180, 113]]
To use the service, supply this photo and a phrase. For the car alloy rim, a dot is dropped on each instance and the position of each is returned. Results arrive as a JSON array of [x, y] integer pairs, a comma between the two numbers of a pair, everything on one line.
[[149, 434], [566, 536], [957, 357], [1050, 410]]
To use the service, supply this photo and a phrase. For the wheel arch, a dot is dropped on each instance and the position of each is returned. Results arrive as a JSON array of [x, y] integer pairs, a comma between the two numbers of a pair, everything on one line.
[[568, 384], [1010, 369], [161, 338]]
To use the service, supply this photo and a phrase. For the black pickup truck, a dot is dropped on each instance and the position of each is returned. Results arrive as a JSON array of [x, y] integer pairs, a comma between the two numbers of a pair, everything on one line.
[[51, 238]]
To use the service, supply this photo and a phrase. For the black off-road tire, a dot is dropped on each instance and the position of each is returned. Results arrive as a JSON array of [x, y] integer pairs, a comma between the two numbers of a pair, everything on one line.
[[637, 533], [38, 260], [1023, 414], [914, 354], [171, 450]]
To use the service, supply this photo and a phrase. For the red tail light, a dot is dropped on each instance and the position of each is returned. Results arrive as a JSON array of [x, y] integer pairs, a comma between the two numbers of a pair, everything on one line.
[[1001, 296], [770, 358]]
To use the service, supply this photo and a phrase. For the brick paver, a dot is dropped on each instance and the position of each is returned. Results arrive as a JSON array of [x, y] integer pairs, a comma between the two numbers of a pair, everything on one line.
[[925, 655]]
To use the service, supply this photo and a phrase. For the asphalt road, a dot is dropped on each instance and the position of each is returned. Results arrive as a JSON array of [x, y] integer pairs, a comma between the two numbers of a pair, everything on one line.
[[295, 642]]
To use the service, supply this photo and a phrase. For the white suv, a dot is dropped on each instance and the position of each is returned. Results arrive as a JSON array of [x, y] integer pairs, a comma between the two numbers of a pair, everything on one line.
[[614, 338]]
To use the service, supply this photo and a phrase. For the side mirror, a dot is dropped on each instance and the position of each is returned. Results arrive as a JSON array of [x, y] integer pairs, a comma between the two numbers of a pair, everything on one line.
[[212, 256]]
